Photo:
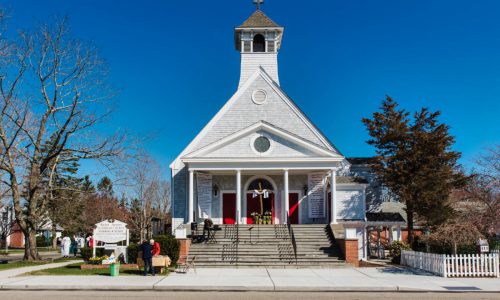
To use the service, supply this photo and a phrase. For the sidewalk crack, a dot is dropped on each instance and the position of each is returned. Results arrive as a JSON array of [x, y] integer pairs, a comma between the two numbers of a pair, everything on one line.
[[270, 278]]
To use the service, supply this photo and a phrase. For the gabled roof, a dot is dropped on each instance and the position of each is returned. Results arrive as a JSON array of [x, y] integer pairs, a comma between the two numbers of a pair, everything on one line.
[[262, 125], [384, 217], [219, 127], [258, 19]]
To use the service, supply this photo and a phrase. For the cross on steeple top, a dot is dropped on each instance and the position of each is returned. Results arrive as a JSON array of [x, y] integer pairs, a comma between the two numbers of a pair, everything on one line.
[[258, 3]]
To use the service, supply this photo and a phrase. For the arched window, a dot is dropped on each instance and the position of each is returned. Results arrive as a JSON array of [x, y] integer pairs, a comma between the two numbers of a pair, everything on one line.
[[260, 183], [259, 43]]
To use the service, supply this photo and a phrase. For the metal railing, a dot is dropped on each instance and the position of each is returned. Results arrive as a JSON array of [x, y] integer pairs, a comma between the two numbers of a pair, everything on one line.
[[230, 250], [292, 237]]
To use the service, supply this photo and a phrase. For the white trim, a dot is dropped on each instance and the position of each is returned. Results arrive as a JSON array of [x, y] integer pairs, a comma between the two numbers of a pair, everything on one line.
[[256, 91], [245, 191], [263, 160], [191, 197], [286, 195], [271, 144], [263, 167], [261, 125], [238, 196], [259, 72], [333, 191]]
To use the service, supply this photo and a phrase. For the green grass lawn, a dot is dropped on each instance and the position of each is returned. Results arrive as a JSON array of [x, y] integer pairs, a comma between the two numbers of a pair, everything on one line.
[[20, 264], [74, 269]]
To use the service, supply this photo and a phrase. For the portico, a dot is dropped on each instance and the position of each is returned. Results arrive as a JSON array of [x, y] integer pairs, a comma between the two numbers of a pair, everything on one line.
[[283, 180]]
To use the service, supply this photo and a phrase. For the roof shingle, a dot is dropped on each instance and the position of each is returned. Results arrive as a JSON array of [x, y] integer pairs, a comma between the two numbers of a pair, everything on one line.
[[258, 19]]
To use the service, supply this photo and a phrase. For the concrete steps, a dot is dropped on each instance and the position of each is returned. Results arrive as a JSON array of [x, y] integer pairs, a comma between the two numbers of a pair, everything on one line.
[[269, 246]]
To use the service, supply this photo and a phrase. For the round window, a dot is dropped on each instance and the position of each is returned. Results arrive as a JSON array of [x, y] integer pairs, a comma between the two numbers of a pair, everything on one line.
[[261, 144], [259, 97]]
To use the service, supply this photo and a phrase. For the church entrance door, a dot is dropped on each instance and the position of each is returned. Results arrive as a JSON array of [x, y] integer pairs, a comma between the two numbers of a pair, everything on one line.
[[229, 208], [253, 205]]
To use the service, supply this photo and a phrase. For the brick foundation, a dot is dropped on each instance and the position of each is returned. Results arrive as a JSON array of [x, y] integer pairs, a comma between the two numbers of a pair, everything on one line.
[[184, 247], [351, 253], [349, 248]]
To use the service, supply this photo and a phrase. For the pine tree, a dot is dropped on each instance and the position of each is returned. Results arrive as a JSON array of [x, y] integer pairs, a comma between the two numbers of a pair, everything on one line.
[[63, 191], [415, 161]]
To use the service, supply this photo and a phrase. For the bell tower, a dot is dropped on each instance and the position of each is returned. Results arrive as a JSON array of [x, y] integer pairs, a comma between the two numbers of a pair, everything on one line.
[[258, 40]]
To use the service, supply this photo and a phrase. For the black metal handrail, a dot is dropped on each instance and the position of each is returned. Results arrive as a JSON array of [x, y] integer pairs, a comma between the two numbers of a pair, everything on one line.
[[292, 237], [237, 241]]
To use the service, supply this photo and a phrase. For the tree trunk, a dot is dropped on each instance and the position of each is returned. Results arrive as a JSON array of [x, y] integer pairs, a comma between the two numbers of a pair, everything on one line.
[[30, 249], [54, 235]]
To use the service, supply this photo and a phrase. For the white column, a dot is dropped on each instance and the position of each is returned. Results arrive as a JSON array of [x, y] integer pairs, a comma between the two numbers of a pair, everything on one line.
[[398, 230], [238, 196], [191, 196], [287, 200], [333, 191]]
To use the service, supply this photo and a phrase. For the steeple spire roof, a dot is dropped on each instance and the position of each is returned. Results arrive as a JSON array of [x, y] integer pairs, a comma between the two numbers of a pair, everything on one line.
[[258, 19]]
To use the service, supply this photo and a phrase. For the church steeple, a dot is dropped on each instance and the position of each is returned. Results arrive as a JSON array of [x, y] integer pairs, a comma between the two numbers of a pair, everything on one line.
[[258, 40]]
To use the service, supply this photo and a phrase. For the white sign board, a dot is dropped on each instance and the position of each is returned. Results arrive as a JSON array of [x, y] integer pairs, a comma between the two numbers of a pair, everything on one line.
[[111, 232], [316, 195], [204, 190]]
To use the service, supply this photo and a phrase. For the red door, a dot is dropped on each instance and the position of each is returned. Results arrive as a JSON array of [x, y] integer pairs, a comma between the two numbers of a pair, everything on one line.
[[293, 210], [253, 205], [229, 208]]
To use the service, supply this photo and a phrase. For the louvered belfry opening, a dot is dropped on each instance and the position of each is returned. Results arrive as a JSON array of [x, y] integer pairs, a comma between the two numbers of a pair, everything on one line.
[[259, 43]]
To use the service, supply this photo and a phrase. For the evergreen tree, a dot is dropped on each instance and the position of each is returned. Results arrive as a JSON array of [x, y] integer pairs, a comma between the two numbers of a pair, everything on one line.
[[63, 191], [415, 161]]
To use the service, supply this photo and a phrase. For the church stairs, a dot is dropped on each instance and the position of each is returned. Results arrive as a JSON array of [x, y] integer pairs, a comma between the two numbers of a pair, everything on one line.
[[268, 246]]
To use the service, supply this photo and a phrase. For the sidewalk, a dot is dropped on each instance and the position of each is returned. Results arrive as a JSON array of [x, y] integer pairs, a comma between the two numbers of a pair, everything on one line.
[[358, 279]]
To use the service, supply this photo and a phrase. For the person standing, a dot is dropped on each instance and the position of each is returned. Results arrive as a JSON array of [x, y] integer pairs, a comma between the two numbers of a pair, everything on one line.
[[74, 246], [147, 257], [65, 244], [156, 247]]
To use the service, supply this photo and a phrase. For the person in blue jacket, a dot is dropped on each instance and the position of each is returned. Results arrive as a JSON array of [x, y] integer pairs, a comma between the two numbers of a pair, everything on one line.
[[147, 257]]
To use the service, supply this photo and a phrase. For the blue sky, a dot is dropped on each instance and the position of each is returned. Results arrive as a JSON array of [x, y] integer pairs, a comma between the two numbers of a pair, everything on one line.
[[175, 65]]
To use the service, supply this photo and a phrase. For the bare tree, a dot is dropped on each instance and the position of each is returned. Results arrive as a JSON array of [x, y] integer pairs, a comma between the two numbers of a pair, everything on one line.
[[51, 92], [150, 194], [479, 200]]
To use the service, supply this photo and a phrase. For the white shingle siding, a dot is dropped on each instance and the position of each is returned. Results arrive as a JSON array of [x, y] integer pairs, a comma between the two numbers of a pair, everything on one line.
[[244, 148], [244, 112], [350, 203], [250, 62]]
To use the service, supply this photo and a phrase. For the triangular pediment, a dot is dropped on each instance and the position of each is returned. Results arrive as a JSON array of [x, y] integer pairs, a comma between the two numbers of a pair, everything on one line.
[[259, 99], [241, 144]]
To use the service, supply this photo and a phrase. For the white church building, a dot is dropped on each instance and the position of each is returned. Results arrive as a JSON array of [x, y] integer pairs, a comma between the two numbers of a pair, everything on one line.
[[260, 154]]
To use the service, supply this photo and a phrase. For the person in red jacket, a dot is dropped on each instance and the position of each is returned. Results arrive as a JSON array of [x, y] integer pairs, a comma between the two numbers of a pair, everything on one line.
[[156, 247]]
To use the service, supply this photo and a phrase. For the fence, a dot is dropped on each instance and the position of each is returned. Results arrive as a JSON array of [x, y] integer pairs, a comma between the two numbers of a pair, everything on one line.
[[464, 265]]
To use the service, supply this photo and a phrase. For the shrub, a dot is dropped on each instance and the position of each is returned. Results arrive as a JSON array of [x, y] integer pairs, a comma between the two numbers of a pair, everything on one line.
[[132, 251], [395, 250], [41, 241], [86, 253], [169, 245]]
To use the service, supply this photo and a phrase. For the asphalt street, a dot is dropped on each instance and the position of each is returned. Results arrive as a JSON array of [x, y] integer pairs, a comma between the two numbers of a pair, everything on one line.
[[74, 295]]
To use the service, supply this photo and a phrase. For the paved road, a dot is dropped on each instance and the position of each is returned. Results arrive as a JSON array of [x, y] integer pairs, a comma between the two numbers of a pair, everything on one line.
[[74, 295]]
